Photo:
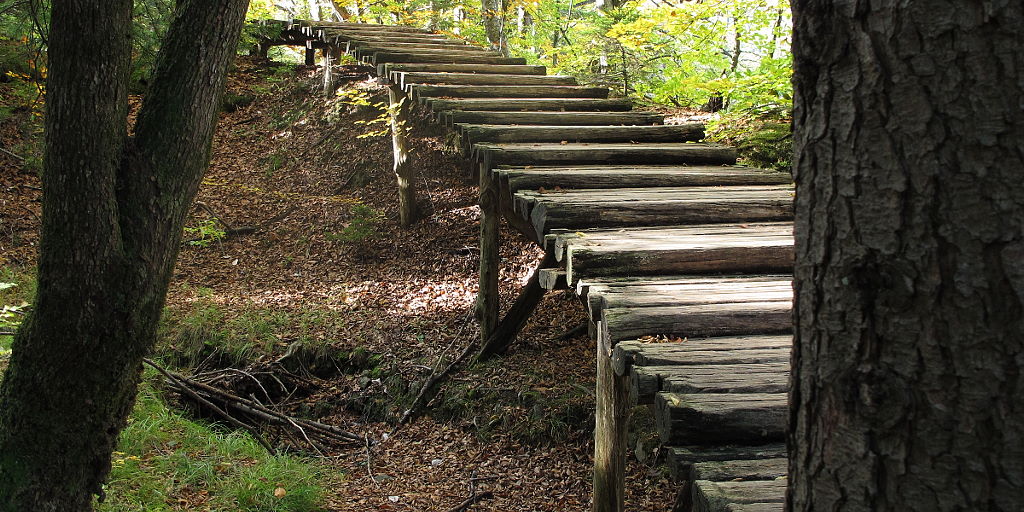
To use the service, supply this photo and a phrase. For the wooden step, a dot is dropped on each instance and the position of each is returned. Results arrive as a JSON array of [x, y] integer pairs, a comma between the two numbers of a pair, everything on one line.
[[361, 27], [405, 78], [358, 47], [633, 207], [766, 247], [699, 320], [703, 376], [730, 349], [740, 470], [475, 133], [720, 418], [526, 104], [460, 118], [514, 179], [611, 153], [379, 58], [676, 291], [680, 459], [552, 279], [345, 36], [363, 51], [743, 496], [391, 69], [507, 91]]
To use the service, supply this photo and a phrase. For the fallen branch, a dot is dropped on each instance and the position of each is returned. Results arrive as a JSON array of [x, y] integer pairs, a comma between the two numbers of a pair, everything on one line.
[[6, 333], [308, 429], [472, 500], [431, 383], [572, 333], [19, 157]]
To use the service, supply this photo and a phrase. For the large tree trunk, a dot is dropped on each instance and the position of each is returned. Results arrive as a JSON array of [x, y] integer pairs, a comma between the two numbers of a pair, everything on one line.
[[493, 12], [907, 387], [113, 209]]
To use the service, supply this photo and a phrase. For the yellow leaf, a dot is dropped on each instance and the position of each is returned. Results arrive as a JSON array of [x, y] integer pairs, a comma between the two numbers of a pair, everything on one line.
[[280, 492]]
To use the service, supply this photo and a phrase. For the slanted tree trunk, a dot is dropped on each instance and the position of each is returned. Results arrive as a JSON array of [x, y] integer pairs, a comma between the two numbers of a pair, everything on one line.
[[909, 283], [405, 173], [113, 209]]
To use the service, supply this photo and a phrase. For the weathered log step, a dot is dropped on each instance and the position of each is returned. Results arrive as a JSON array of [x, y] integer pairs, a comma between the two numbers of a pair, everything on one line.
[[528, 104], [722, 350], [742, 496], [698, 320], [391, 69], [766, 372], [360, 27], [696, 290], [720, 418], [362, 52], [359, 47], [459, 118], [674, 250], [514, 179], [610, 153], [740, 470], [379, 58], [347, 36], [609, 208], [681, 459], [552, 279], [475, 133], [506, 91], [403, 79]]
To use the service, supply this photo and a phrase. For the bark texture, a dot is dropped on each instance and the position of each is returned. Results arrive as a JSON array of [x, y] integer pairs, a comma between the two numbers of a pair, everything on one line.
[[113, 209], [909, 124]]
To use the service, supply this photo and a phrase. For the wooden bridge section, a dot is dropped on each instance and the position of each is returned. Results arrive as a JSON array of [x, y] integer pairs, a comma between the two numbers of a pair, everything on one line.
[[680, 257]]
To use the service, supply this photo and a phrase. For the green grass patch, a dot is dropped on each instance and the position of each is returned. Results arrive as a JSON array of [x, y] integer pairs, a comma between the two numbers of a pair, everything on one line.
[[165, 461]]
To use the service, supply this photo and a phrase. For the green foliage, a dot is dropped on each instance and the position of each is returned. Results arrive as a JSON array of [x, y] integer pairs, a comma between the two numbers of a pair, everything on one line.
[[763, 136], [363, 225], [165, 461], [204, 233], [380, 124], [17, 291]]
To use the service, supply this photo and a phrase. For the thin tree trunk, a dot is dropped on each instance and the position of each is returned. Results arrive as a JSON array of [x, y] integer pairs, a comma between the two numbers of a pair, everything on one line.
[[910, 257], [113, 210], [405, 173]]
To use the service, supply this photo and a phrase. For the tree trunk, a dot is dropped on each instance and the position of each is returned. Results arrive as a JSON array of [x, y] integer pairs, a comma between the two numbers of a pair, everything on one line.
[[910, 256], [113, 209], [405, 173], [493, 12]]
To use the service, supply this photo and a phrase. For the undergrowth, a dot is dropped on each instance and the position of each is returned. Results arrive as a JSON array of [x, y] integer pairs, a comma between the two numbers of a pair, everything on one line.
[[165, 461]]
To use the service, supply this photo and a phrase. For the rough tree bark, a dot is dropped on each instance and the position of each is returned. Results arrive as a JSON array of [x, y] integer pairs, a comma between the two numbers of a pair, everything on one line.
[[909, 342], [113, 209], [493, 12]]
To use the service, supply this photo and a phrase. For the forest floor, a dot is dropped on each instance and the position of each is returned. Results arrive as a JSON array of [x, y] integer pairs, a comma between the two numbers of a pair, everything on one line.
[[330, 288]]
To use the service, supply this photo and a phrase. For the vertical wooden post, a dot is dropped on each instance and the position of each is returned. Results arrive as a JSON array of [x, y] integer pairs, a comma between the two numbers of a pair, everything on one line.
[[490, 215], [612, 417], [325, 58], [310, 55], [404, 171]]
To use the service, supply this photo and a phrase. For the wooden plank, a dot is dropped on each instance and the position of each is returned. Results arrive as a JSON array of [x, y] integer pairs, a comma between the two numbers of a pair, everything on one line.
[[749, 496], [607, 153], [360, 27], [728, 319], [692, 291], [740, 470], [609, 208], [507, 91], [610, 430], [443, 57], [472, 134], [760, 377], [458, 118], [527, 104], [391, 37], [439, 67], [553, 279], [681, 459], [667, 251], [361, 46], [624, 176], [405, 78], [630, 353], [719, 418]]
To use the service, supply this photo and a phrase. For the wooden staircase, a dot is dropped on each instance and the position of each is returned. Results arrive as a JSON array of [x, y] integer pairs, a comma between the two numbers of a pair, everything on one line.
[[680, 257]]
